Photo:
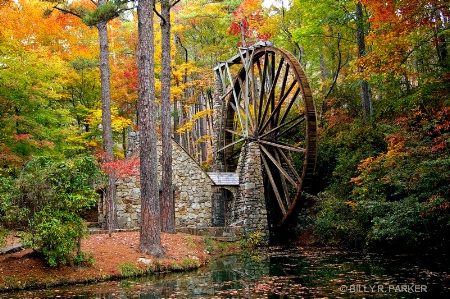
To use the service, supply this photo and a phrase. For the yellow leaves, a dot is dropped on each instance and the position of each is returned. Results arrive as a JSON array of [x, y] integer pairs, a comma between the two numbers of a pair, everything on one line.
[[187, 127], [203, 138], [118, 122], [83, 140], [176, 92], [351, 204]]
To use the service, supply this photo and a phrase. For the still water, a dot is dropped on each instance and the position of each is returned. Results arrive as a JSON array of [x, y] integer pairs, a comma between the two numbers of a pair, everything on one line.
[[282, 273]]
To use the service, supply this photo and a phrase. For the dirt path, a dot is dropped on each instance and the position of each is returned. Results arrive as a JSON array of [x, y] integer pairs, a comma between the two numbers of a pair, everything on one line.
[[113, 256]]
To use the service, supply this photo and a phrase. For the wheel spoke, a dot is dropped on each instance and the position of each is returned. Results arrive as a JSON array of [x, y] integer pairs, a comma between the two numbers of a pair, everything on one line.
[[274, 186], [283, 145], [237, 111], [288, 162], [291, 127], [278, 166], [235, 132], [275, 111], [300, 117], [248, 119], [231, 144], [262, 91], [253, 90], [290, 105], [271, 97], [283, 180]]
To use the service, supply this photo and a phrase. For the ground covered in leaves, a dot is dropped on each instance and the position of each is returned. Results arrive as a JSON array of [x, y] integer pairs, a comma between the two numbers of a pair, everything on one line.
[[112, 257]]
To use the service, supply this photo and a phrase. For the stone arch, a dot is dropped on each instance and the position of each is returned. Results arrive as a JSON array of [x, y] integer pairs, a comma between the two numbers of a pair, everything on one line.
[[221, 207]]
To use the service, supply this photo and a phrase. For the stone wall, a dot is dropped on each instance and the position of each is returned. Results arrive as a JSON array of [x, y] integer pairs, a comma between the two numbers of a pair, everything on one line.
[[192, 193], [200, 204], [218, 112], [249, 209]]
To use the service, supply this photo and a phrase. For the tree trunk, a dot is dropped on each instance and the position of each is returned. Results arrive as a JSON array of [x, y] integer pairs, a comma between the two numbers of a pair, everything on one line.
[[150, 234], [176, 120], [365, 97], [202, 130], [166, 200], [108, 142], [440, 40], [242, 26]]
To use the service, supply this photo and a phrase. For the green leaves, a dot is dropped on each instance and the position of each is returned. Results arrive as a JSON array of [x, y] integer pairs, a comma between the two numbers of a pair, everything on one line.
[[53, 194], [103, 13], [29, 110]]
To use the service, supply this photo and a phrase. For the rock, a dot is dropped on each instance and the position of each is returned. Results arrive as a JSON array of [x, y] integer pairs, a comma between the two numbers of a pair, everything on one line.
[[11, 249], [144, 260]]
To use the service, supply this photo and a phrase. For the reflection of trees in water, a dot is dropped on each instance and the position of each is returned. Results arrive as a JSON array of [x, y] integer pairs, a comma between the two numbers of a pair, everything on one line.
[[292, 273]]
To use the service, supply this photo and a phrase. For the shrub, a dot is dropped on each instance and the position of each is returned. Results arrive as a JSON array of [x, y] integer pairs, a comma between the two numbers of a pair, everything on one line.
[[52, 194], [396, 198], [128, 269]]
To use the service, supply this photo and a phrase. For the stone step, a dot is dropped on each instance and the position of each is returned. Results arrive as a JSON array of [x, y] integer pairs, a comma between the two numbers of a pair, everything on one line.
[[226, 239], [11, 249], [226, 232]]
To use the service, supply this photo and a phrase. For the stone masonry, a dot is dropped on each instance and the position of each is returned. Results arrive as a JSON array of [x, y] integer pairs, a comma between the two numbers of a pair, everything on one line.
[[250, 209], [192, 193]]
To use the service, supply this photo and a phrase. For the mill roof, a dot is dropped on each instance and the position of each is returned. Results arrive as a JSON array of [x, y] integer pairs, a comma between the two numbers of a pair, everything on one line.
[[224, 178]]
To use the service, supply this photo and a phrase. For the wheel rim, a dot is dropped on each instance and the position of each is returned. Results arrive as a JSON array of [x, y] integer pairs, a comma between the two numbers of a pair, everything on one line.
[[271, 104]]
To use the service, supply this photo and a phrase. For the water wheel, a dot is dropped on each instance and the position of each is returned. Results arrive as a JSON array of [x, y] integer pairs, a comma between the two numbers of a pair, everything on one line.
[[269, 101]]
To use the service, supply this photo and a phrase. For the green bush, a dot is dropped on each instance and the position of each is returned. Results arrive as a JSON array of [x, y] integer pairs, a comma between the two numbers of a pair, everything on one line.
[[392, 198], [51, 195]]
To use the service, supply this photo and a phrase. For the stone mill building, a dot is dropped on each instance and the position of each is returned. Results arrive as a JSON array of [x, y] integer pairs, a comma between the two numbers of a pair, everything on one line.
[[205, 202]]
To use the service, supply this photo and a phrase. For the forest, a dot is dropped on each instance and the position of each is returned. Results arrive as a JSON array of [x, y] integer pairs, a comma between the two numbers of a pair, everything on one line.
[[379, 71]]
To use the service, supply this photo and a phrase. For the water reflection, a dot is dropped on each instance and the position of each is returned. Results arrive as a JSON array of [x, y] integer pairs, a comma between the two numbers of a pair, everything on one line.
[[283, 273]]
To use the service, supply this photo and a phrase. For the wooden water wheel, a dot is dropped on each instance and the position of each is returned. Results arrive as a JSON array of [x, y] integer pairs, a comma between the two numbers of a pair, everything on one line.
[[268, 100]]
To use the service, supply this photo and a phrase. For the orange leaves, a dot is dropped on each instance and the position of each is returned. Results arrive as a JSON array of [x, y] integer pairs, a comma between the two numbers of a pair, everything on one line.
[[383, 12], [366, 163], [398, 29]]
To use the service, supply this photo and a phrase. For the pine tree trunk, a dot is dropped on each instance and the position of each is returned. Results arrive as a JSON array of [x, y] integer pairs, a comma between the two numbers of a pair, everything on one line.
[[166, 200], [365, 97], [150, 234], [202, 130], [108, 142], [176, 120]]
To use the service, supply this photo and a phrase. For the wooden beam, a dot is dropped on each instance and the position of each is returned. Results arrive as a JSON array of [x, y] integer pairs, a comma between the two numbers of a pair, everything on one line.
[[277, 165], [274, 186], [283, 145]]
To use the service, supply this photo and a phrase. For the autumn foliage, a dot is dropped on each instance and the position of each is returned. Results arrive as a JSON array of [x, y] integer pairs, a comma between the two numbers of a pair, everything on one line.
[[382, 181]]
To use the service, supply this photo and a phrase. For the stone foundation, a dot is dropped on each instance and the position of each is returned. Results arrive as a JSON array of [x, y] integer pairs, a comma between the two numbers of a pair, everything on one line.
[[249, 210]]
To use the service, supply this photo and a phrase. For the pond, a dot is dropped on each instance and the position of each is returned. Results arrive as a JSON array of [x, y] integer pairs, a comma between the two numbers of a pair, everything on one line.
[[282, 273]]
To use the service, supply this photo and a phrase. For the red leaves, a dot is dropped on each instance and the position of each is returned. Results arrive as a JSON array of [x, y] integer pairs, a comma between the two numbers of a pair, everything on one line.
[[235, 29], [248, 18], [123, 168], [20, 137], [441, 130]]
